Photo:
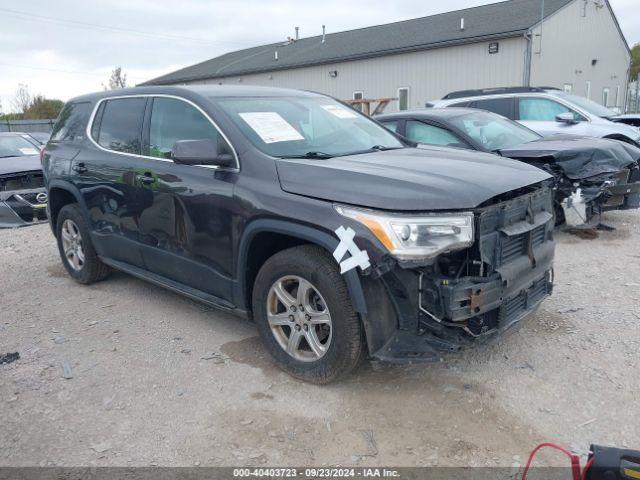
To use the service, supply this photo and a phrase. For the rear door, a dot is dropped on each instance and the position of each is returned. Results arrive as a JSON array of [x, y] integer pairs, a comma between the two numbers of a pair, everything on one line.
[[105, 173], [186, 231], [539, 114]]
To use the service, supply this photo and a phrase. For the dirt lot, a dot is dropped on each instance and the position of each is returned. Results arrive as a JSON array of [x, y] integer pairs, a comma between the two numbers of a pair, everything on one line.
[[160, 380]]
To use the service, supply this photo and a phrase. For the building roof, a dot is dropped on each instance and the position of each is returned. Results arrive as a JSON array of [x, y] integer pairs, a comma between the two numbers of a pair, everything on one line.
[[496, 20]]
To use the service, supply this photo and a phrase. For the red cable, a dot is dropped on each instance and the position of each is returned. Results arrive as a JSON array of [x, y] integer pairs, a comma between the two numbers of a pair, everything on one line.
[[586, 469], [575, 461]]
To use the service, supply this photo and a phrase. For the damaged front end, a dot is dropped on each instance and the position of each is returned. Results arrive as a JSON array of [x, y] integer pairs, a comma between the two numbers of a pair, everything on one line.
[[584, 199], [592, 175], [23, 199], [470, 294]]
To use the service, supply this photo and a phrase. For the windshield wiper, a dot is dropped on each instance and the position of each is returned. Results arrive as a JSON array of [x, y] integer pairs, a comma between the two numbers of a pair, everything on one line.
[[375, 148], [314, 155]]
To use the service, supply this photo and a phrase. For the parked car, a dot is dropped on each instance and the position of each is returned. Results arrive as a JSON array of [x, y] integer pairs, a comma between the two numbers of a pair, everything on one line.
[[336, 236], [39, 139], [23, 198], [606, 171], [546, 111]]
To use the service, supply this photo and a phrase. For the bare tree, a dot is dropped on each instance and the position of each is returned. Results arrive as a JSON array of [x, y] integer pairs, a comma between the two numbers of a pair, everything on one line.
[[22, 99], [117, 80]]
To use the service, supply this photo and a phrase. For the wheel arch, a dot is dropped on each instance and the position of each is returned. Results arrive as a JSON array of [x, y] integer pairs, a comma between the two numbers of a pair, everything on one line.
[[62, 193], [621, 137], [289, 234]]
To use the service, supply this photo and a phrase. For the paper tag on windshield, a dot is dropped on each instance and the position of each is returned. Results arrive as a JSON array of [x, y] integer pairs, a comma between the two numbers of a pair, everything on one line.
[[28, 151], [271, 127], [339, 111]]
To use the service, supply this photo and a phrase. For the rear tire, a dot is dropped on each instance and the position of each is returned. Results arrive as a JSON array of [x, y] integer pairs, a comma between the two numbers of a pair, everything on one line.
[[76, 250], [331, 335]]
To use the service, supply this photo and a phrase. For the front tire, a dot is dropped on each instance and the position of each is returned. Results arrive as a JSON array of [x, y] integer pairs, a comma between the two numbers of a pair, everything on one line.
[[76, 250], [304, 315]]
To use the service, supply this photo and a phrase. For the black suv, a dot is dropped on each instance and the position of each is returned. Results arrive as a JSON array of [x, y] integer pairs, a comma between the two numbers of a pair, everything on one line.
[[335, 235]]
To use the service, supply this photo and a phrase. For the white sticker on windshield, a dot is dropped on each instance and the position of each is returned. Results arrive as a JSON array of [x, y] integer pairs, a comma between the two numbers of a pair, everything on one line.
[[271, 127], [339, 111], [28, 151]]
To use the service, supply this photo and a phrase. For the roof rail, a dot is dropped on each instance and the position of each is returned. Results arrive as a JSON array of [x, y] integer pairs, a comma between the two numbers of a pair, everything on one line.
[[490, 91]]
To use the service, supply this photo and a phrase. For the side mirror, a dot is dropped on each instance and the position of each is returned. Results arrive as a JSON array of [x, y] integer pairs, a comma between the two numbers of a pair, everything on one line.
[[199, 152], [566, 117]]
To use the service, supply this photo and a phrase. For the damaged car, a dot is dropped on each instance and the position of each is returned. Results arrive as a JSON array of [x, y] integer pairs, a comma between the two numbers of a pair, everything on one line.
[[338, 238], [594, 173], [23, 199]]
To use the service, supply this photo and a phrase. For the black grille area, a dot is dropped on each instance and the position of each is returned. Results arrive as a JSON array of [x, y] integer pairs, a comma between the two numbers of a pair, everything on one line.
[[512, 248], [498, 226], [517, 305], [26, 212], [21, 181]]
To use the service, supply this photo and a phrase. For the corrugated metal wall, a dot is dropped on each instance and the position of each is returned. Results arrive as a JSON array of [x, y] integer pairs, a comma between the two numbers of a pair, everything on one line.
[[428, 74], [571, 39]]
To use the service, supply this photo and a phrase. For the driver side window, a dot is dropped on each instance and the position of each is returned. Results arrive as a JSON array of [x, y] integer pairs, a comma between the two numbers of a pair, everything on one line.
[[543, 110], [173, 120], [431, 135]]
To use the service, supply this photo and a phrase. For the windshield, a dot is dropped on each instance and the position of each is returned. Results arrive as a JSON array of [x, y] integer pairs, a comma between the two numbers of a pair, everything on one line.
[[16, 146], [305, 126], [587, 105], [492, 131]]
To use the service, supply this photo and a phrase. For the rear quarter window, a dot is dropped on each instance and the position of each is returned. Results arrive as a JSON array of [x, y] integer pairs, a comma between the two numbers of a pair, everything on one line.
[[501, 106], [72, 122]]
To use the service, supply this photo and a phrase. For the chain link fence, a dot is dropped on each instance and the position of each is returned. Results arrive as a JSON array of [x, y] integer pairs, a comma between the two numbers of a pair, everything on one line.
[[45, 125]]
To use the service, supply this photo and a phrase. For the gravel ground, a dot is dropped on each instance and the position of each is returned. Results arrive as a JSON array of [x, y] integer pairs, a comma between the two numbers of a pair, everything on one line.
[[157, 379]]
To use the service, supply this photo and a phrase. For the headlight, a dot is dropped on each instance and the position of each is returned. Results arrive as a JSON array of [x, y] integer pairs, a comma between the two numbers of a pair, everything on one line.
[[409, 237]]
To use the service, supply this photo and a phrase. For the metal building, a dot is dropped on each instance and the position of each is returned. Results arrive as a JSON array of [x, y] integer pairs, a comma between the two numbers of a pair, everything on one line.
[[576, 45]]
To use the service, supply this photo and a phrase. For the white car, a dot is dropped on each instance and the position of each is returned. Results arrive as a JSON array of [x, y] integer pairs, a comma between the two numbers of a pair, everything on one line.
[[546, 111]]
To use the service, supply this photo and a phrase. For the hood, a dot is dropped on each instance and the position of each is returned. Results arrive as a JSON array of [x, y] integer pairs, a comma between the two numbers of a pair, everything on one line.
[[408, 179], [27, 163], [632, 119], [579, 157]]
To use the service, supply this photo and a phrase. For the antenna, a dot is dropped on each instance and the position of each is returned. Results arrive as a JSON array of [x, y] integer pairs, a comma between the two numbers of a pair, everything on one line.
[[323, 33], [297, 32]]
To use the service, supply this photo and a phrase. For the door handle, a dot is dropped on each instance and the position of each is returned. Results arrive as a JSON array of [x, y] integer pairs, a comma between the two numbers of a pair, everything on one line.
[[145, 179], [79, 168]]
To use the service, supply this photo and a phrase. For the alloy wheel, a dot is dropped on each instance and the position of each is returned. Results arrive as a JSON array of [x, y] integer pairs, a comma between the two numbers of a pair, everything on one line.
[[72, 244], [299, 318]]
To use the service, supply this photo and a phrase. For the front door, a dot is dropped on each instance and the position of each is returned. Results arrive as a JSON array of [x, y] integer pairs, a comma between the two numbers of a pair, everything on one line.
[[539, 114], [185, 234]]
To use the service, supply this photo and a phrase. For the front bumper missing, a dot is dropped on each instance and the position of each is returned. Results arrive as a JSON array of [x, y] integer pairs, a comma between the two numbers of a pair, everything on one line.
[[20, 208], [439, 312]]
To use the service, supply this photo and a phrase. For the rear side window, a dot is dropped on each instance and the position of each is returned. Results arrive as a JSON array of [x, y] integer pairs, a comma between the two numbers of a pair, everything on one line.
[[173, 120], [501, 106], [120, 124], [459, 105], [72, 122]]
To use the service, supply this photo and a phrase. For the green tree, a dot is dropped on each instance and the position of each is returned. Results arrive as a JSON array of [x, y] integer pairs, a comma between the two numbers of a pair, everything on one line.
[[42, 107], [635, 61]]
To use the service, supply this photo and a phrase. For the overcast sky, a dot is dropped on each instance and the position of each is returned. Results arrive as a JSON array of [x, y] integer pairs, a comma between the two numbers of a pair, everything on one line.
[[68, 47]]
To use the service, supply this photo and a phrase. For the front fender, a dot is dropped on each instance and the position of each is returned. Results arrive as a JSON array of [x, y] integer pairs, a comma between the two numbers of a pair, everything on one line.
[[303, 232]]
